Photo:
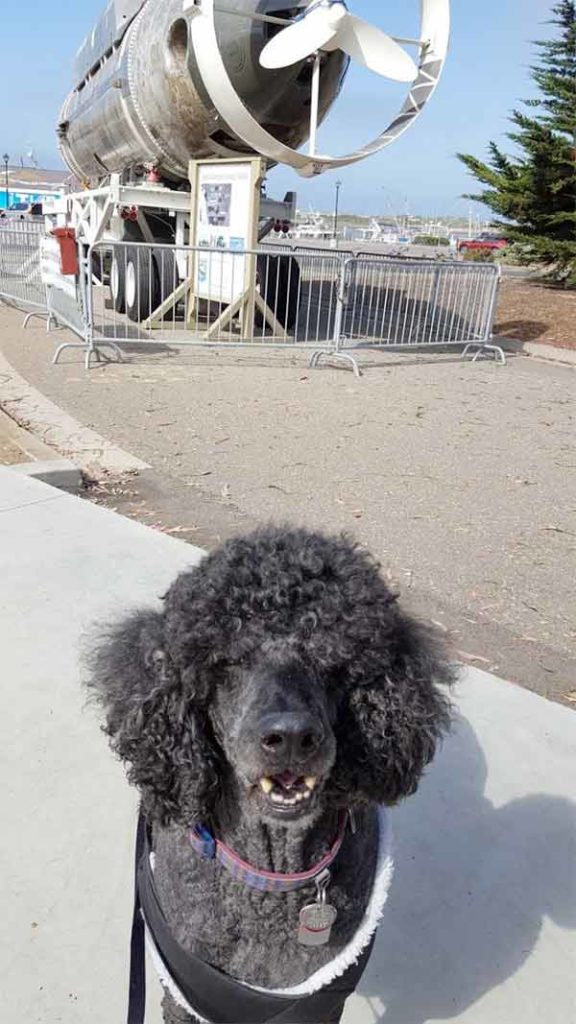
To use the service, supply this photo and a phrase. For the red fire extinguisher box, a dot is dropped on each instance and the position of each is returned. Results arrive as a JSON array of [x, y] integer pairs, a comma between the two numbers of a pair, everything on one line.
[[68, 250]]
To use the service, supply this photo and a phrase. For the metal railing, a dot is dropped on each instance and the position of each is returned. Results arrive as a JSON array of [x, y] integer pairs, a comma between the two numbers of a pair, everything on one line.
[[404, 303], [179, 295], [20, 280], [14, 222], [142, 294]]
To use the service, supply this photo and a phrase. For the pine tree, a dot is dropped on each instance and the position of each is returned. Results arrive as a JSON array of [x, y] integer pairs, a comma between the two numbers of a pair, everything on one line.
[[536, 189]]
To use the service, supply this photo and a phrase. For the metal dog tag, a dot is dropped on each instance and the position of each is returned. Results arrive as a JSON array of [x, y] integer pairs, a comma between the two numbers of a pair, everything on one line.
[[316, 922], [316, 919]]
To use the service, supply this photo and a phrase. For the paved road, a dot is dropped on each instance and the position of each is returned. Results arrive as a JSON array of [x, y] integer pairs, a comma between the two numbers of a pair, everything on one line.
[[459, 477]]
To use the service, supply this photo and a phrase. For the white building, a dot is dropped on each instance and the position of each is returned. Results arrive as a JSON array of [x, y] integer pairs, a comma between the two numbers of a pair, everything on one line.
[[31, 185]]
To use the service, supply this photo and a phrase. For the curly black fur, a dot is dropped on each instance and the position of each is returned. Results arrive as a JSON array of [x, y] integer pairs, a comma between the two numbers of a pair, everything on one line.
[[157, 673], [278, 596]]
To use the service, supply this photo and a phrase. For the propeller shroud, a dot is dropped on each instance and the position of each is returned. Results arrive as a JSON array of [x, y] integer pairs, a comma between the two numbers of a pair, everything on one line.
[[325, 25]]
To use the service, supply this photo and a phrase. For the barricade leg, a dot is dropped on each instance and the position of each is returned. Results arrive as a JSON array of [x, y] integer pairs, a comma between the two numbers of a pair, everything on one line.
[[40, 314], [337, 357], [482, 347], [335, 353]]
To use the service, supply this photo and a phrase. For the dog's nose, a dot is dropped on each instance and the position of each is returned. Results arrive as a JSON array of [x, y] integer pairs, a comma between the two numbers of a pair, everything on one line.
[[291, 734]]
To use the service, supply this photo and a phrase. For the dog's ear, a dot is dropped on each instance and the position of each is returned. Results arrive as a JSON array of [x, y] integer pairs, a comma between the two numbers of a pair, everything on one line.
[[394, 714], [154, 723]]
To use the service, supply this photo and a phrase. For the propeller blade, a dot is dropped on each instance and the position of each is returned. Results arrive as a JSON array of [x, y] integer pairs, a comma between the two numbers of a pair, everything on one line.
[[371, 47], [303, 37]]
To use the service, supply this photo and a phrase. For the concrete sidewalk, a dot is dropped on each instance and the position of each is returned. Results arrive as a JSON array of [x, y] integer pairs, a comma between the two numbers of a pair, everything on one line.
[[480, 921]]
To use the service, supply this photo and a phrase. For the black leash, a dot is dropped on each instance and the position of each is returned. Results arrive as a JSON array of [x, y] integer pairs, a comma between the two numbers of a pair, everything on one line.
[[137, 992]]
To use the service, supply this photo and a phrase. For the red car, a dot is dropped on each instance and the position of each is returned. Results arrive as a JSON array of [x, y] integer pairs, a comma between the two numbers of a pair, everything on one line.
[[485, 242]]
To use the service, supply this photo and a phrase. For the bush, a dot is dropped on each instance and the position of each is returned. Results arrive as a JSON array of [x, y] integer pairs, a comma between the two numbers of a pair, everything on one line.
[[481, 255], [431, 240], [514, 255]]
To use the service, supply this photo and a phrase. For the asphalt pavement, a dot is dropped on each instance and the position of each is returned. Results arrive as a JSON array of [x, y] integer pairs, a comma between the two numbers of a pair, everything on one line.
[[459, 477]]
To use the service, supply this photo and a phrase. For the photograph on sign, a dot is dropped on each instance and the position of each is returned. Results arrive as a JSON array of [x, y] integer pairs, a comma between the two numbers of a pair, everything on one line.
[[216, 201]]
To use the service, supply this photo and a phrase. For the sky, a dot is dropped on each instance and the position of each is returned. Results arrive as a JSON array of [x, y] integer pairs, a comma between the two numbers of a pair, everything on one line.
[[486, 75]]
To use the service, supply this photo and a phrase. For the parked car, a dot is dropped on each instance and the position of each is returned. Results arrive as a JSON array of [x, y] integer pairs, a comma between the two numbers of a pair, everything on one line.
[[22, 211], [485, 242]]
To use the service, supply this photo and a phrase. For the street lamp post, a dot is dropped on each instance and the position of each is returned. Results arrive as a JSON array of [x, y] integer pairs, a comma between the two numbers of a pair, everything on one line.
[[336, 206], [6, 160]]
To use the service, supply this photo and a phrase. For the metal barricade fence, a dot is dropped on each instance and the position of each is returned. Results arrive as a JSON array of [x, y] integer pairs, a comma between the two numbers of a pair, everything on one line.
[[139, 293], [148, 294], [20, 280], [403, 303]]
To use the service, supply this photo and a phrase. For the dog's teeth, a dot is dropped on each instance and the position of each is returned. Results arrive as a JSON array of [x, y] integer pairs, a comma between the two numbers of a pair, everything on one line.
[[266, 785], [311, 781], [284, 800]]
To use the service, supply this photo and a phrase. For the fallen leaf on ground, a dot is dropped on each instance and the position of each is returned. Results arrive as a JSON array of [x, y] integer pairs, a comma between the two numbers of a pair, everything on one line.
[[472, 657]]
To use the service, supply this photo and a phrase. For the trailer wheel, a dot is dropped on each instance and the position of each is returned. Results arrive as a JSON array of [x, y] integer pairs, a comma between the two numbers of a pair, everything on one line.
[[290, 287], [278, 279], [141, 283], [166, 278], [118, 281]]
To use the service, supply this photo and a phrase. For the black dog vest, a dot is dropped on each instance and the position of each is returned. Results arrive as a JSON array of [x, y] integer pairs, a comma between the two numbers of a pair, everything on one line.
[[209, 992]]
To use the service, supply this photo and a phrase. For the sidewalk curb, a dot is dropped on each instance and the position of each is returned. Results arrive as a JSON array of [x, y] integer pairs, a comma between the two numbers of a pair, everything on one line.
[[63, 474], [29, 444], [57, 432], [534, 350]]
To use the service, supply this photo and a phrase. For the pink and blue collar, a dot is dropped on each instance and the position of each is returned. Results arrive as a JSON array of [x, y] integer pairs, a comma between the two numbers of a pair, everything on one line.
[[206, 846]]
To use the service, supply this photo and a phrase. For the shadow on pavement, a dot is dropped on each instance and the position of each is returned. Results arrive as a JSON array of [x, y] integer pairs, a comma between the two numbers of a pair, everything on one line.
[[473, 886], [522, 330]]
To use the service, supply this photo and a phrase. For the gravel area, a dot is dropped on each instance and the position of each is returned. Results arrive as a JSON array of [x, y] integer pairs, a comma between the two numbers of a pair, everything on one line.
[[529, 311], [460, 477]]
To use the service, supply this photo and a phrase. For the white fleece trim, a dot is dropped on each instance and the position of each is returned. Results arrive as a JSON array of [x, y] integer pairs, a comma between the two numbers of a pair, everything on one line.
[[167, 981], [348, 956]]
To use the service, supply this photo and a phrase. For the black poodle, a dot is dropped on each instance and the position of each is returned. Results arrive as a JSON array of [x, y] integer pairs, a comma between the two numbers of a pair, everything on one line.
[[279, 700]]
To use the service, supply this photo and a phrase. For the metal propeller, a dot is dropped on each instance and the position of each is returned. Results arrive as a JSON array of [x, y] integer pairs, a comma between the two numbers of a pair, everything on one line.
[[328, 25]]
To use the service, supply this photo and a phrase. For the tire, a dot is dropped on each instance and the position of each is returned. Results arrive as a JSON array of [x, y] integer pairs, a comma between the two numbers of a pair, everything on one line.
[[141, 283], [166, 278], [118, 280], [279, 280], [98, 266]]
